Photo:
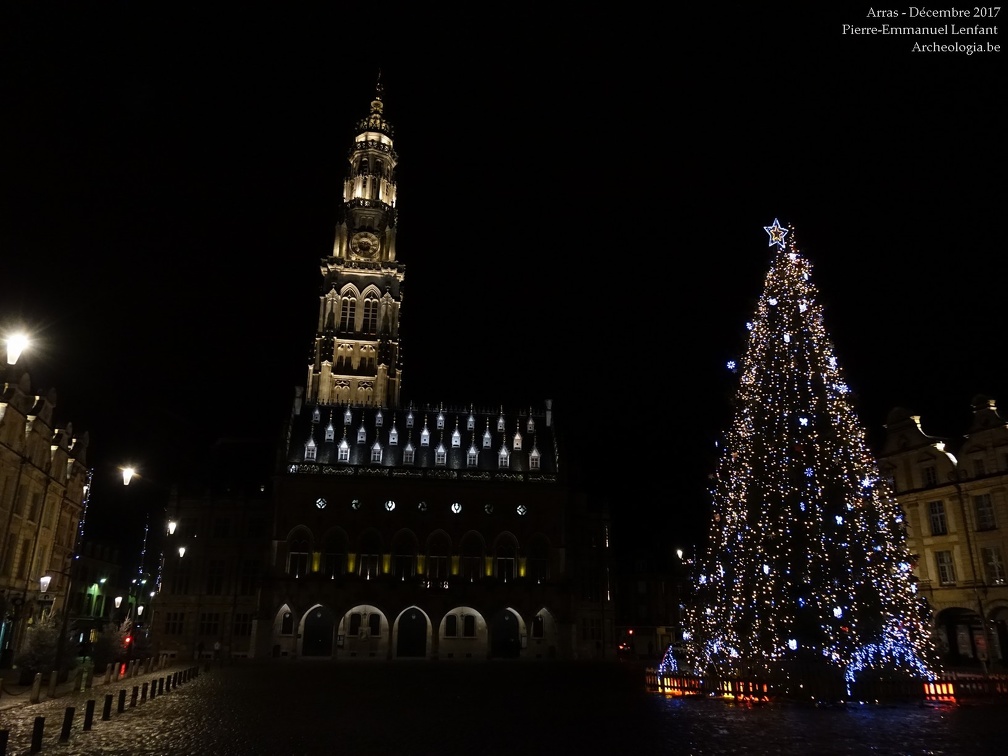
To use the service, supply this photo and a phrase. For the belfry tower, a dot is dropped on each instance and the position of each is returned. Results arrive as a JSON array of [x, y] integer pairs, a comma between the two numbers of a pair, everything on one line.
[[355, 355]]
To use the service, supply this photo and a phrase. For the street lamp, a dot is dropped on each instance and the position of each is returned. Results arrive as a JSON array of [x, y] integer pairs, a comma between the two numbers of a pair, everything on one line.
[[16, 343]]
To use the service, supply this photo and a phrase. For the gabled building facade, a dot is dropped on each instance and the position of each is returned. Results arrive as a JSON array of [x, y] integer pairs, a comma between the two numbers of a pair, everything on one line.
[[954, 493], [43, 490], [396, 529]]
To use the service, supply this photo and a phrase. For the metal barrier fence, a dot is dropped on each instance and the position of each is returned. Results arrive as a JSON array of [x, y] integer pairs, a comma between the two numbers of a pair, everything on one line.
[[949, 687]]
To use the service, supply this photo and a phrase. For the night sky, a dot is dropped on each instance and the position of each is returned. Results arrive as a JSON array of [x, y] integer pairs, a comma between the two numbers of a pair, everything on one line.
[[582, 202]]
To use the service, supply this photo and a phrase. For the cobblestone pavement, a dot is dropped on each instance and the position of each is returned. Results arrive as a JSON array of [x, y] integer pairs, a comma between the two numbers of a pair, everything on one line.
[[303, 707], [19, 716], [308, 707]]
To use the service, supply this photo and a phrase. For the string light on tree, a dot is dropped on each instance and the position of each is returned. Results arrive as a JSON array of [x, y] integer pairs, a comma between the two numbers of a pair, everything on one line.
[[805, 569]]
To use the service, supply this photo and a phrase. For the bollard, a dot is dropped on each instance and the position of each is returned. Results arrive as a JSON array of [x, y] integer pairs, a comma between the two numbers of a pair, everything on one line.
[[160, 686], [133, 698], [89, 680], [153, 689], [4, 736], [78, 683], [36, 688], [68, 716], [143, 696], [88, 714], [122, 700], [36, 742], [53, 679], [108, 672], [107, 709]]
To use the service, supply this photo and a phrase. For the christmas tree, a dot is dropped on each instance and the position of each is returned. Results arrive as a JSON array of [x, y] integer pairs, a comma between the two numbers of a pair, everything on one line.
[[807, 582]]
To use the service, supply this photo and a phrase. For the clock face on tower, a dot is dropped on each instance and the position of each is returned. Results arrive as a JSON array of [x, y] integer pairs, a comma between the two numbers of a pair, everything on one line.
[[364, 245]]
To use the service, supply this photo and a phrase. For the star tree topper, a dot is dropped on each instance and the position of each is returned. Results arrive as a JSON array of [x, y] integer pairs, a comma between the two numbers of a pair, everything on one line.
[[777, 234]]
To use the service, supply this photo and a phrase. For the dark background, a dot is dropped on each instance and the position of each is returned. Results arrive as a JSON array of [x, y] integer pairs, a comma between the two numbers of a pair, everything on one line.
[[582, 200]]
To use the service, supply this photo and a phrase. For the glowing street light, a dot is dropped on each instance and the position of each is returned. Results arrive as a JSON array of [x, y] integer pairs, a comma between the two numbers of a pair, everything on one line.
[[16, 343]]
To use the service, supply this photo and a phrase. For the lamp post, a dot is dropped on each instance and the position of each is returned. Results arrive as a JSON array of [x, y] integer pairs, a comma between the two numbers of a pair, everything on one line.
[[957, 479], [65, 615]]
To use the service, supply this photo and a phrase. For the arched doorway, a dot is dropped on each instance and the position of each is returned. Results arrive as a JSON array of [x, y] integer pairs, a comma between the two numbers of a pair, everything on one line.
[[317, 639], [412, 635], [505, 635], [960, 639]]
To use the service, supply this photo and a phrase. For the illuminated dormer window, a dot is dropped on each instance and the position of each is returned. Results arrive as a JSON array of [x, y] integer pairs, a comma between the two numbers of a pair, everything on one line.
[[425, 437], [472, 456], [347, 417], [316, 416], [456, 439], [531, 425], [330, 432], [393, 436], [500, 424], [376, 452], [486, 439], [309, 450], [407, 455], [409, 419], [440, 455], [502, 458], [378, 420], [534, 459], [440, 420], [343, 453], [361, 435], [471, 422], [517, 441]]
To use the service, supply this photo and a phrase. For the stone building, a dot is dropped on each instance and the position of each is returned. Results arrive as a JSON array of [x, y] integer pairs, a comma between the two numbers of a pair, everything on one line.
[[954, 493], [390, 529], [43, 489]]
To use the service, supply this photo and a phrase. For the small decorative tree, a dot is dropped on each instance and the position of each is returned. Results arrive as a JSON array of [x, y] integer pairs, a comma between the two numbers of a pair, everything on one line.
[[38, 653]]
